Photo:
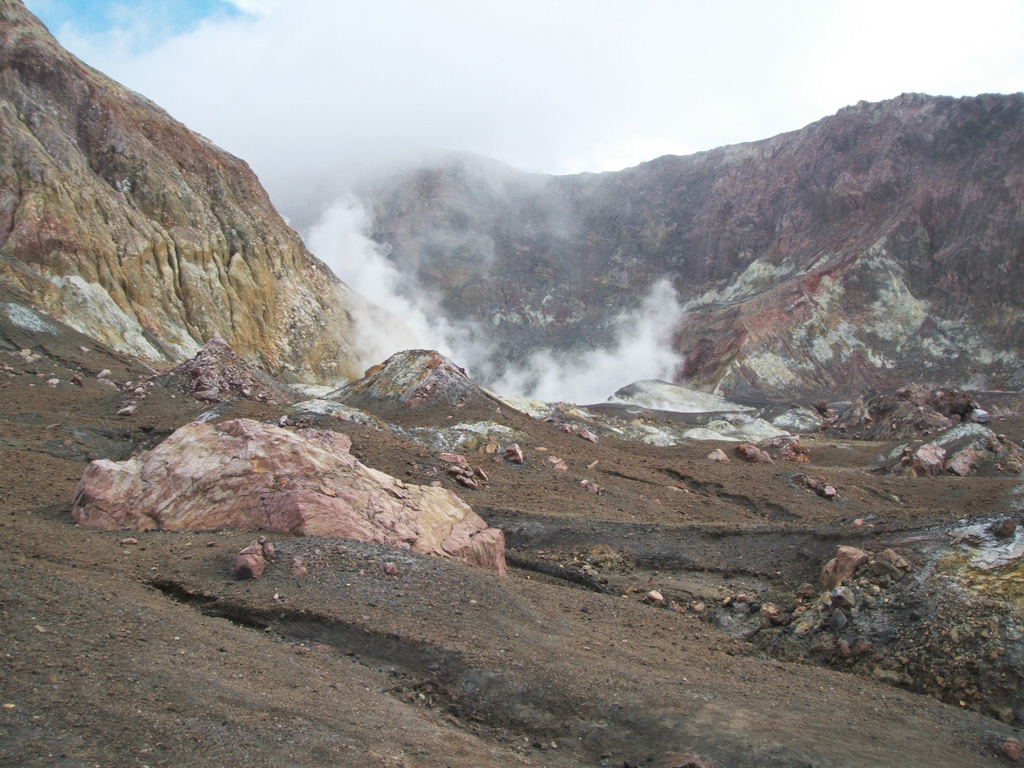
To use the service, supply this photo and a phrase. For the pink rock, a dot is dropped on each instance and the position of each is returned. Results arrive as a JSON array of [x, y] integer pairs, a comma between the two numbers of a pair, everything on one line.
[[753, 454], [966, 461], [842, 566], [514, 454], [558, 463], [1012, 749], [390, 569], [453, 458], [249, 475], [654, 597], [719, 455], [249, 562], [929, 460]]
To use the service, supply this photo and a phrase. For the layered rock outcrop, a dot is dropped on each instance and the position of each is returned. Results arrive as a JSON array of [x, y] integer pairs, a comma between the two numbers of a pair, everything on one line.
[[248, 475], [127, 226], [882, 245]]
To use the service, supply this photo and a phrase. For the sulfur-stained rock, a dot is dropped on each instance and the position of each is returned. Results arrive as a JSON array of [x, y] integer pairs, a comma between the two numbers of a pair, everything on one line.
[[245, 474]]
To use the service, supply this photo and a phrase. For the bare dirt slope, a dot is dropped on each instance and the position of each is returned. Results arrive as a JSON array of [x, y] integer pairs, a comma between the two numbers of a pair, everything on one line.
[[149, 653]]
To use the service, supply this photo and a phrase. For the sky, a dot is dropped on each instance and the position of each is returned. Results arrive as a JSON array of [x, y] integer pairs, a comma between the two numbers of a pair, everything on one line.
[[551, 86]]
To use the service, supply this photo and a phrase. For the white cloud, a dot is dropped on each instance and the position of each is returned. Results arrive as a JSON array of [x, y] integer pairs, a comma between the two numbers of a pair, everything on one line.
[[317, 88]]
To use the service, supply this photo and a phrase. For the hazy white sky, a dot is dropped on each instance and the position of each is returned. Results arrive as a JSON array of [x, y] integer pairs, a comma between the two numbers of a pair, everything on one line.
[[545, 85]]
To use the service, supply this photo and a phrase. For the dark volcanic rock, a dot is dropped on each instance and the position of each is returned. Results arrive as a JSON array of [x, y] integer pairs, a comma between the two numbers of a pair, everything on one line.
[[877, 246]]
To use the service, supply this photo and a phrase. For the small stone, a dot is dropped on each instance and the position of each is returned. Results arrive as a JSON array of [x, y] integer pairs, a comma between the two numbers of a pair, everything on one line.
[[52, 382], [979, 416], [514, 454], [128, 410], [1004, 529], [1012, 749], [77, 380], [861, 646], [390, 569], [655, 598], [752, 454], [299, 567], [807, 591], [267, 546], [719, 455], [249, 562], [838, 620], [103, 374], [842, 597], [129, 542], [1004, 714]]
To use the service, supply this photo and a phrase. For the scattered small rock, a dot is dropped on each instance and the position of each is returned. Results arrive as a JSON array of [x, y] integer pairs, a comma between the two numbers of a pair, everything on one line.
[[390, 569], [719, 455], [753, 454]]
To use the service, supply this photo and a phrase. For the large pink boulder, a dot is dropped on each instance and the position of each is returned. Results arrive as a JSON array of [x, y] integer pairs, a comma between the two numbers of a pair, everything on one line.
[[248, 475]]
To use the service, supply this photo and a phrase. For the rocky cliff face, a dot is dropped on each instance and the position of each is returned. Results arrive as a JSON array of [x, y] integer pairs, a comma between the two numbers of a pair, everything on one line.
[[883, 244], [129, 227]]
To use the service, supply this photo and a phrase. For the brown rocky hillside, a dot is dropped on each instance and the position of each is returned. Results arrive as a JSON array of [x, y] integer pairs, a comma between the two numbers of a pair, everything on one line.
[[124, 224]]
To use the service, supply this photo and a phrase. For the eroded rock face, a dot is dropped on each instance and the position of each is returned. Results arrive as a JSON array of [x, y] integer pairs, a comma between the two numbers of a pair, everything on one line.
[[876, 246], [245, 474], [130, 228]]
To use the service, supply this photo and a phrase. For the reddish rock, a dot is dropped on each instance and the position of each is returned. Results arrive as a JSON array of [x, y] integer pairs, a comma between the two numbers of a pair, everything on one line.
[[895, 558], [514, 454], [842, 566], [787, 449], [245, 474], [249, 562], [268, 548], [454, 458], [1012, 749], [390, 569], [753, 454]]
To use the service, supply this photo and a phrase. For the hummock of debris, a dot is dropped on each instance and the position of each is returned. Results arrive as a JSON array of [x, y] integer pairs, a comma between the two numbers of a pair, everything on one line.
[[413, 379], [912, 411], [967, 449], [243, 474], [217, 374]]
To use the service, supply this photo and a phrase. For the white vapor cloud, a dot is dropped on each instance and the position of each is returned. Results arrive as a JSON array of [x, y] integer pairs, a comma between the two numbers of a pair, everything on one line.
[[340, 240], [643, 350]]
